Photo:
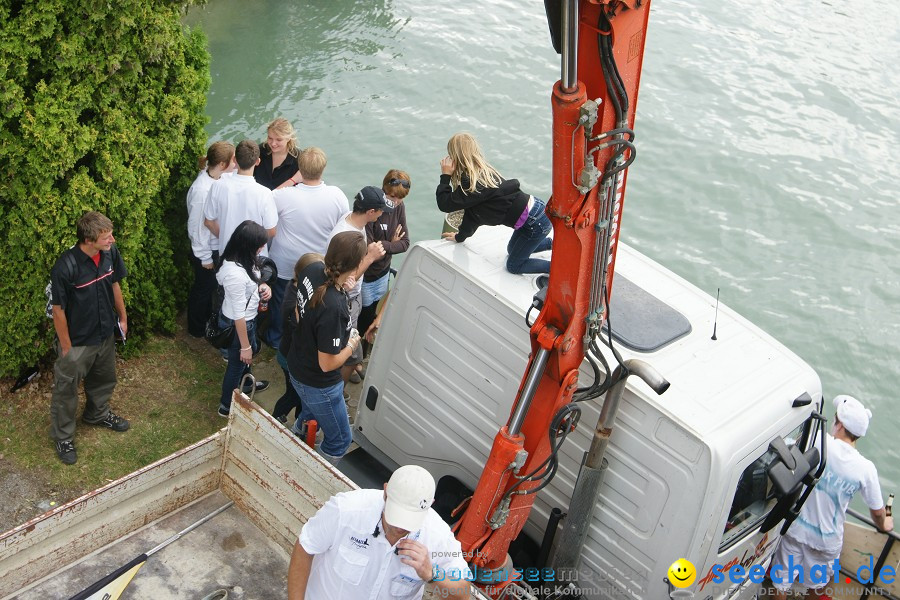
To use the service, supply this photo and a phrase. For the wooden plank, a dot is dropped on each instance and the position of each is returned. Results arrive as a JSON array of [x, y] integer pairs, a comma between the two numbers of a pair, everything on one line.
[[276, 480], [862, 543], [35, 549]]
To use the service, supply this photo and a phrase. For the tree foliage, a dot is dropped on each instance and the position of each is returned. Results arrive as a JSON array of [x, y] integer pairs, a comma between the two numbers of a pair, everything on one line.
[[101, 108]]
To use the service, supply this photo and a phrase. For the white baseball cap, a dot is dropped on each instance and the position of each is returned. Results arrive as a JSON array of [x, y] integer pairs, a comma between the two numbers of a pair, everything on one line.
[[410, 493], [852, 414]]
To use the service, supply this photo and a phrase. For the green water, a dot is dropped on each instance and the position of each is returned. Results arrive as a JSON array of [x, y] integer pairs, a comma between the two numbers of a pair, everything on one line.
[[765, 144]]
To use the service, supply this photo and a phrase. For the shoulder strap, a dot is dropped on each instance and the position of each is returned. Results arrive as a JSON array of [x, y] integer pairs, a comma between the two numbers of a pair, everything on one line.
[[71, 265], [71, 269], [219, 298]]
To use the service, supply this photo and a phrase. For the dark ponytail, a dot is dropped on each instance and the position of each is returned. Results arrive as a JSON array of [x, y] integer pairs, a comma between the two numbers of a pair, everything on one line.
[[345, 252]]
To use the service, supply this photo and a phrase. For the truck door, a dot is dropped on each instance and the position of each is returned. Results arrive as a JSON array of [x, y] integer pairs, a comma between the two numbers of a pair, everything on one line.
[[751, 499]]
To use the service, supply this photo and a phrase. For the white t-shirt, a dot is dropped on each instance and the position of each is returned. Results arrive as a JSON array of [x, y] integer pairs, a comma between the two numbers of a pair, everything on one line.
[[341, 226], [306, 216], [239, 288], [821, 521], [350, 561], [233, 200], [202, 239]]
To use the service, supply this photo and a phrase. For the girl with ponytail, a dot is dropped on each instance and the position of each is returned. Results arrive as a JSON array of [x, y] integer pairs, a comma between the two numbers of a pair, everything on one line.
[[219, 161], [323, 341], [289, 399]]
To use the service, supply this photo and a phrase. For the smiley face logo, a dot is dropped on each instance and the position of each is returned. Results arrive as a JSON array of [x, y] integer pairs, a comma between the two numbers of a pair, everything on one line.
[[682, 573]]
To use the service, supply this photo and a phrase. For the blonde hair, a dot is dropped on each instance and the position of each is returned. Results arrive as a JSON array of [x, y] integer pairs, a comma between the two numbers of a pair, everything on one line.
[[311, 162], [469, 161], [396, 189], [283, 128]]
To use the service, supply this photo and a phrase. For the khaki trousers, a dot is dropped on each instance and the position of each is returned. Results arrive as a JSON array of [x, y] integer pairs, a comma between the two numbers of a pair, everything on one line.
[[96, 366]]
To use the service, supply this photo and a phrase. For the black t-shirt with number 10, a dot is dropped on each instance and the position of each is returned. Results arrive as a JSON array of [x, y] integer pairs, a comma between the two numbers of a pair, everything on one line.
[[323, 328]]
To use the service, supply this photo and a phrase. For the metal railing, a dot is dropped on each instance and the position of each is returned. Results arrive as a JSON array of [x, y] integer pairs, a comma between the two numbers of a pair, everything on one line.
[[892, 536]]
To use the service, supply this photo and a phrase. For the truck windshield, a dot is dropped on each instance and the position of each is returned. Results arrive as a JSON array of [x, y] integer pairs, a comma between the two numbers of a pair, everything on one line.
[[754, 497]]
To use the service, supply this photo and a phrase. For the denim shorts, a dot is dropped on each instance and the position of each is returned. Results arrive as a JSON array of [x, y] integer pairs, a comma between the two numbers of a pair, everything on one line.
[[373, 291]]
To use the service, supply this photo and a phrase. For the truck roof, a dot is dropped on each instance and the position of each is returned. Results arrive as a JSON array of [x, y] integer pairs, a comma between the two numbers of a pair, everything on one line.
[[714, 383]]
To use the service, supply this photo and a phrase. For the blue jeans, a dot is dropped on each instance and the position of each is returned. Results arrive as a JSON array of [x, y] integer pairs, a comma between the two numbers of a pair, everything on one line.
[[278, 286], [235, 369], [528, 239], [327, 407], [373, 291]]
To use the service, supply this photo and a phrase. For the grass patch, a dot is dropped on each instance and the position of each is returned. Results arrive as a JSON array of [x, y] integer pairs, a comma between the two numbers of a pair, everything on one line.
[[169, 391]]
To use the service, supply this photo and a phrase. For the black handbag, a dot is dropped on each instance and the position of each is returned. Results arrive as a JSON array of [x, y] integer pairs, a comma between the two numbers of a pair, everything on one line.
[[217, 336]]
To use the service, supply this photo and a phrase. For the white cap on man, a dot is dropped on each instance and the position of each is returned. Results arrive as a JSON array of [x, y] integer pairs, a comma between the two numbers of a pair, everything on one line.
[[410, 493], [852, 414]]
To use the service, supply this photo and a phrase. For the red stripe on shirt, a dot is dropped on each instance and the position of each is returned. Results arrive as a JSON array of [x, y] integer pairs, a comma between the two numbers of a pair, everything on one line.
[[93, 281]]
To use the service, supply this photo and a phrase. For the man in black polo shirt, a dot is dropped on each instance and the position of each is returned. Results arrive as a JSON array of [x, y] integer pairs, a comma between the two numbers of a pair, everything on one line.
[[86, 299]]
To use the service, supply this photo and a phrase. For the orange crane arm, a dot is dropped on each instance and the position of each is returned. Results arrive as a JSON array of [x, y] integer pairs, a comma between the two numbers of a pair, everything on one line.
[[602, 46]]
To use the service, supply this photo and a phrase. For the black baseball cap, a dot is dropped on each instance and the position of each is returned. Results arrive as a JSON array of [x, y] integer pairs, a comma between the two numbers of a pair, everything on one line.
[[371, 197]]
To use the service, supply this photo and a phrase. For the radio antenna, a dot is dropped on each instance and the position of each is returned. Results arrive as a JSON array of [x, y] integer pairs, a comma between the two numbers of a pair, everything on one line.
[[716, 318]]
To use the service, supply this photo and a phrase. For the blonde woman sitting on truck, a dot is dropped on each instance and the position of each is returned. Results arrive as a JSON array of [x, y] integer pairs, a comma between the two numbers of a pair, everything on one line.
[[470, 183]]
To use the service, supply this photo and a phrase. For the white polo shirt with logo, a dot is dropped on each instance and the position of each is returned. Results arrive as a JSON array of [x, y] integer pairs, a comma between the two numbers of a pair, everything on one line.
[[351, 562]]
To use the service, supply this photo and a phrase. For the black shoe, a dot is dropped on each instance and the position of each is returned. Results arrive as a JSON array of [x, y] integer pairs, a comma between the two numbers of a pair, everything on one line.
[[112, 421], [66, 452], [223, 412], [261, 385]]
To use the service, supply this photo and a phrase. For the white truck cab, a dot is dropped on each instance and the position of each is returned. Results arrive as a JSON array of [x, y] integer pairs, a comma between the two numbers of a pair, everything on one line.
[[688, 470]]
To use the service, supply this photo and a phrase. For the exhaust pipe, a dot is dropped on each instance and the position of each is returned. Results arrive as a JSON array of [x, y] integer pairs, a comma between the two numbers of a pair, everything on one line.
[[594, 466]]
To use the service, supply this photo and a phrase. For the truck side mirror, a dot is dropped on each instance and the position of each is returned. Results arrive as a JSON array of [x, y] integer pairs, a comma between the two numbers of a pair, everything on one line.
[[792, 467], [788, 486], [789, 475]]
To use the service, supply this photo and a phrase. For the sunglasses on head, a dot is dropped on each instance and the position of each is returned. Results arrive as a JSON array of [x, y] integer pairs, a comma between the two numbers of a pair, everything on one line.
[[403, 182]]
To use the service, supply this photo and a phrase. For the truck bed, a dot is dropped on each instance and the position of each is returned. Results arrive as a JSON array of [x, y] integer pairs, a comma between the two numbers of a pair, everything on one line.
[[275, 482], [228, 552]]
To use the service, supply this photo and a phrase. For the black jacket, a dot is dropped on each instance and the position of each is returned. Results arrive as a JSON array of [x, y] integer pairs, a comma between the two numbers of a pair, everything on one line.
[[502, 205], [382, 231]]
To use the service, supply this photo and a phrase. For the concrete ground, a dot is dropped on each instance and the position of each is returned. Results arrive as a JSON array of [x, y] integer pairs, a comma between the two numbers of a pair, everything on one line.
[[226, 553]]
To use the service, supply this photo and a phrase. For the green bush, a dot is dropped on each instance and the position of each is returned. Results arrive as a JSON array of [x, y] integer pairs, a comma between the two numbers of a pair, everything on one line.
[[101, 108]]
